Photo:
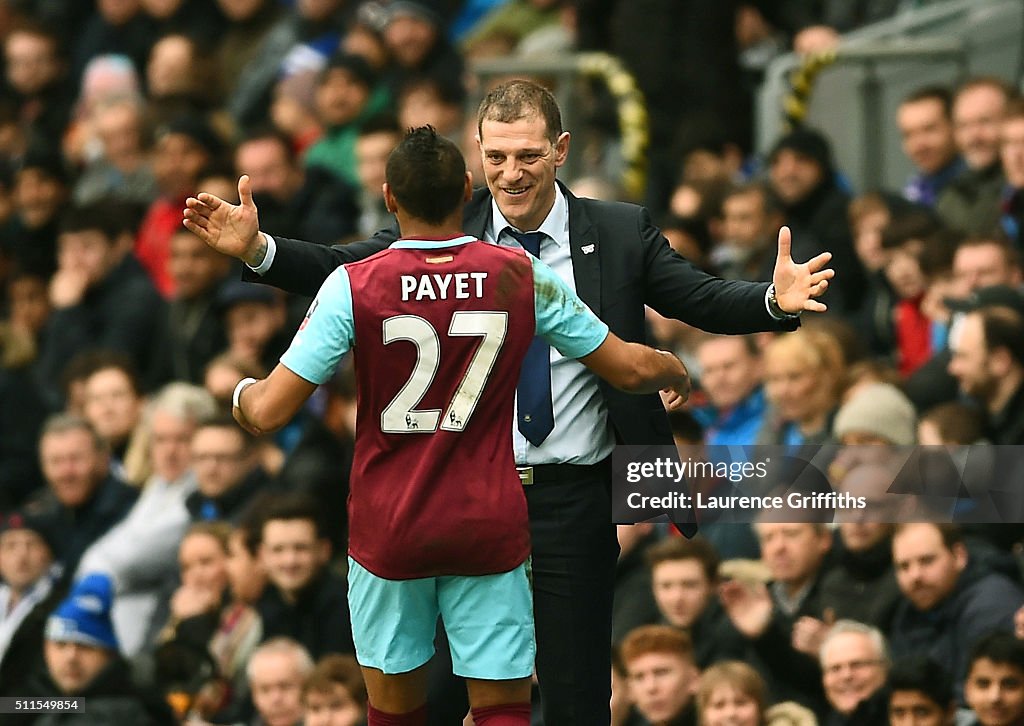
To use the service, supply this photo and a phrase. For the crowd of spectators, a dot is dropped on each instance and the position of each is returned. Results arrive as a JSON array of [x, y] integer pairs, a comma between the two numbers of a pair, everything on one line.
[[169, 567]]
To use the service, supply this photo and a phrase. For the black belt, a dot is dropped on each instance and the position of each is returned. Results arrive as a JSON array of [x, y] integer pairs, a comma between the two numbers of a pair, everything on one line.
[[542, 473]]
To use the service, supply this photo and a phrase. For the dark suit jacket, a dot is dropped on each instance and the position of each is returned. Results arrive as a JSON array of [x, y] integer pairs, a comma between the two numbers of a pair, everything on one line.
[[631, 265]]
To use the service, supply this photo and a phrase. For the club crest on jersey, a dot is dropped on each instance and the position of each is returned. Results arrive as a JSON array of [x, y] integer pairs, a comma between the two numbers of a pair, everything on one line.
[[309, 313]]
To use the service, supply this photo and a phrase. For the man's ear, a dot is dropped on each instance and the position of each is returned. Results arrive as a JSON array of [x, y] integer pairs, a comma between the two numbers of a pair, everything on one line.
[[389, 198], [1000, 361], [467, 193], [562, 148], [960, 555]]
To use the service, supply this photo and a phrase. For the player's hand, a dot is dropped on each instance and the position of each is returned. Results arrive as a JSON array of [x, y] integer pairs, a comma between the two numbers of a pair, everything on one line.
[[676, 397], [796, 285], [232, 229], [749, 607]]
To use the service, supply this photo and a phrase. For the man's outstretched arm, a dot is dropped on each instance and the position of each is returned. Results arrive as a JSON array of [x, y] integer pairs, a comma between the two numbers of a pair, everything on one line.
[[233, 229]]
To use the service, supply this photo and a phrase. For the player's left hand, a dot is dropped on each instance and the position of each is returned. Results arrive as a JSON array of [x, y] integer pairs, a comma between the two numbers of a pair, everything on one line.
[[796, 285], [672, 399]]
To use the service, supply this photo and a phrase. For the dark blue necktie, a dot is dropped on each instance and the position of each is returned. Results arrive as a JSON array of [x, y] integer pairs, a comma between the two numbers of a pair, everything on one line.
[[536, 415]]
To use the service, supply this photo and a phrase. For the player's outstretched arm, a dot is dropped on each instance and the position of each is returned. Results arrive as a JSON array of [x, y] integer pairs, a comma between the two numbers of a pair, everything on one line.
[[267, 405], [636, 368]]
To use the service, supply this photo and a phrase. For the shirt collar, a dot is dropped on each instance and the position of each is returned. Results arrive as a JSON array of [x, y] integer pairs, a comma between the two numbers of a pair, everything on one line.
[[555, 225], [790, 605], [430, 244]]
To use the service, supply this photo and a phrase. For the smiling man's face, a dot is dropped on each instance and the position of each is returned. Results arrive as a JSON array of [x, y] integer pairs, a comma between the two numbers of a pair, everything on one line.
[[520, 162]]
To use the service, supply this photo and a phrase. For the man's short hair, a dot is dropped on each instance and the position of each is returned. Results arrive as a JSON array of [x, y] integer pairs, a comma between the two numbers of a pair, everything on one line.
[[1010, 255], [1004, 328], [381, 123], [517, 99], [820, 528], [303, 661], [921, 673], [118, 361], [90, 218], [950, 533], [873, 634], [750, 344], [60, 423], [994, 82], [673, 549], [932, 93], [916, 224], [447, 93], [290, 507], [337, 669], [270, 133], [956, 422], [769, 201], [80, 367], [865, 204], [427, 175], [655, 639], [999, 647], [183, 401], [225, 421]]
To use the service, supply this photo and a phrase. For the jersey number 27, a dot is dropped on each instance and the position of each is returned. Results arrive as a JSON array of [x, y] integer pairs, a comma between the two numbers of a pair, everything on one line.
[[401, 416]]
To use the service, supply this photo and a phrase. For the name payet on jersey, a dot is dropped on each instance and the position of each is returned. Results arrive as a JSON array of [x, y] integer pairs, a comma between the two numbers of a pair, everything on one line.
[[434, 286]]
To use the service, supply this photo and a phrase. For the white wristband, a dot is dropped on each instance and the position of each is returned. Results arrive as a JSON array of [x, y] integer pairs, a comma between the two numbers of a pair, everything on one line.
[[242, 384]]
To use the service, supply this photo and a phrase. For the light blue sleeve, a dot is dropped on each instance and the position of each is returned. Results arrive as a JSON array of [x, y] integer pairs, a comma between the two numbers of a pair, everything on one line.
[[563, 320], [327, 332]]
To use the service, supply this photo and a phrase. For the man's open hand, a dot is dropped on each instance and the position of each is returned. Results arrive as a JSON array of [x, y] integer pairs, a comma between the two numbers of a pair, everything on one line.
[[796, 285], [232, 229]]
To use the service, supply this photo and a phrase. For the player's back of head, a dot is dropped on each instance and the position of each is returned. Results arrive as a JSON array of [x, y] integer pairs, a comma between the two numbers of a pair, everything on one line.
[[427, 175]]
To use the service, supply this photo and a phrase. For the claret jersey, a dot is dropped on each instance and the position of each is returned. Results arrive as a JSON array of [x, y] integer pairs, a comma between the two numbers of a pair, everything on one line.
[[438, 330]]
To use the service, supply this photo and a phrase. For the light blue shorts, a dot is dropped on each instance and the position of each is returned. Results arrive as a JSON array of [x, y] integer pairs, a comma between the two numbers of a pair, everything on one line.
[[488, 619]]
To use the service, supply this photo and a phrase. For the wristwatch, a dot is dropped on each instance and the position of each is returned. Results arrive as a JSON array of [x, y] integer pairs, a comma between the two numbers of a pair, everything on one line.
[[773, 305]]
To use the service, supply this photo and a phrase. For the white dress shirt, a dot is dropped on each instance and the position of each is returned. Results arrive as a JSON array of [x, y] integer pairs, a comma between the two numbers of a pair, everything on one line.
[[583, 432]]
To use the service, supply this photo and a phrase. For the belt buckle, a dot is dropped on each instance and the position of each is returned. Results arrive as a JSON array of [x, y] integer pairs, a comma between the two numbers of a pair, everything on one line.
[[525, 474]]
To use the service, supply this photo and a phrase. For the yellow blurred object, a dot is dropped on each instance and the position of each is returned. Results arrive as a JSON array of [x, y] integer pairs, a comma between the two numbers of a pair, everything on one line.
[[180, 701]]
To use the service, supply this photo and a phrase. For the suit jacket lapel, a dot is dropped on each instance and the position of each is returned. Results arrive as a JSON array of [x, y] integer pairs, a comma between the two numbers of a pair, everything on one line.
[[584, 244], [585, 250], [477, 213]]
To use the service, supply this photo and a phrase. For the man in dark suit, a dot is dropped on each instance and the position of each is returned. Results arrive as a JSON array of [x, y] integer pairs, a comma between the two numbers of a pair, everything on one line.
[[567, 426]]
